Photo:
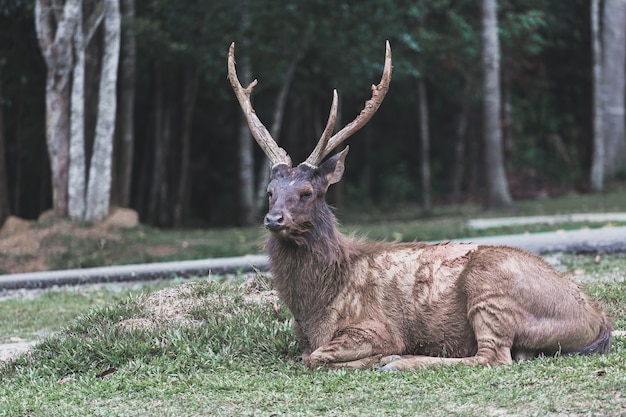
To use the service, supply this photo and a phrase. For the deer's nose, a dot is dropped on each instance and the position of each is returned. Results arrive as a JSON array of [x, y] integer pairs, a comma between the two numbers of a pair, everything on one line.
[[274, 221]]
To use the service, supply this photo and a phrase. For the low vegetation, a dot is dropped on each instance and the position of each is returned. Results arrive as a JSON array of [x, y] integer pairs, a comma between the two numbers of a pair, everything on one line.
[[205, 348], [202, 347]]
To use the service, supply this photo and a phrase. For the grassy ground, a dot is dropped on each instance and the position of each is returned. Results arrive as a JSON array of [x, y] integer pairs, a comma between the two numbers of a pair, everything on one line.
[[204, 349]]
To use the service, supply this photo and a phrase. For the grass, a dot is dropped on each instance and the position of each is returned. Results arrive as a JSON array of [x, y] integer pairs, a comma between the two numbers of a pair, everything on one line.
[[41, 313], [206, 348]]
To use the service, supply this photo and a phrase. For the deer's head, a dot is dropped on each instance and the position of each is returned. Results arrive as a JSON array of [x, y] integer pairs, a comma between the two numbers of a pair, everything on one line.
[[296, 194]]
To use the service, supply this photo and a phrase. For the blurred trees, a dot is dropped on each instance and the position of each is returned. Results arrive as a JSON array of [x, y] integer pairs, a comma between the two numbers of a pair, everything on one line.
[[176, 156], [498, 195], [65, 34], [55, 23], [608, 21]]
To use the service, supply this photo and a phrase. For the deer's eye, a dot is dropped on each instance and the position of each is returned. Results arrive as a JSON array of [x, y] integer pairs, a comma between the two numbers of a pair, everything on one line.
[[306, 194], [269, 194]]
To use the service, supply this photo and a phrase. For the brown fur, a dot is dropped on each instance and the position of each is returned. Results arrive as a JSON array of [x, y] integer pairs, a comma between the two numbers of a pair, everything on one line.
[[359, 303]]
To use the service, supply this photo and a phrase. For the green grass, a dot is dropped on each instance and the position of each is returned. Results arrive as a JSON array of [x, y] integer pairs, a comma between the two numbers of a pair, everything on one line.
[[220, 352], [225, 350], [41, 313]]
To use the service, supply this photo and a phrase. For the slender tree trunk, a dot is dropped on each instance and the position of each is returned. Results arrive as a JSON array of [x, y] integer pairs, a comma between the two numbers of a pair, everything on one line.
[[55, 31], [613, 73], [277, 123], [163, 218], [77, 170], [459, 152], [190, 89], [246, 161], [127, 102], [17, 183], [597, 160], [99, 185], [5, 210], [422, 98], [498, 195], [507, 122], [244, 139], [157, 165]]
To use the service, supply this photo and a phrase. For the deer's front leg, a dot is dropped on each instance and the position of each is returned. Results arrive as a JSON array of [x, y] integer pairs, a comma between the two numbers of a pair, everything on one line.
[[355, 348]]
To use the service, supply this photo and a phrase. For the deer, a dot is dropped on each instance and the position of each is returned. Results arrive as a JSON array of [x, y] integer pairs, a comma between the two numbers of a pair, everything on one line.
[[398, 306]]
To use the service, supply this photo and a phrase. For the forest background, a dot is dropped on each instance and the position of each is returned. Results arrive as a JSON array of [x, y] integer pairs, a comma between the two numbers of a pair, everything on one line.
[[181, 154]]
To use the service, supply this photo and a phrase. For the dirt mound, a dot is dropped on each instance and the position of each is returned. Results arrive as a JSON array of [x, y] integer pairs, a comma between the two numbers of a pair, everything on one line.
[[174, 305], [25, 246], [15, 225]]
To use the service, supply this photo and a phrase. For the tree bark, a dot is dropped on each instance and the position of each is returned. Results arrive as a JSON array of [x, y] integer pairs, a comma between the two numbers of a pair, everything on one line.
[[277, 124], [613, 73], [190, 89], [422, 99], [99, 185], [597, 159], [55, 31], [498, 195], [157, 165], [127, 102], [245, 152], [246, 163], [5, 210], [77, 173], [459, 152]]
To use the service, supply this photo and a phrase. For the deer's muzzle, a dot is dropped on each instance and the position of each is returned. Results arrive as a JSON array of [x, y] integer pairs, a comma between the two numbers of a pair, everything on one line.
[[274, 222]]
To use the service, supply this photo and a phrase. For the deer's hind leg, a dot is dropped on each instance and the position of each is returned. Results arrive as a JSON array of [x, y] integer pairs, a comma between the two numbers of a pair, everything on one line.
[[494, 331]]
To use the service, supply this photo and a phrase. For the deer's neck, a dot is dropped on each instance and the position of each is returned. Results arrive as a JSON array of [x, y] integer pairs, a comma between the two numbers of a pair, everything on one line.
[[309, 274]]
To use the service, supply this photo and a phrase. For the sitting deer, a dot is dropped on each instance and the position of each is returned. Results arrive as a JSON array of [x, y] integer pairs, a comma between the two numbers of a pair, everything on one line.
[[361, 304]]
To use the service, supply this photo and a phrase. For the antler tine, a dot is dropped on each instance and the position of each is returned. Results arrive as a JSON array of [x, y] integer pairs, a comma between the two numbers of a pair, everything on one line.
[[275, 153], [317, 154], [378, 94]]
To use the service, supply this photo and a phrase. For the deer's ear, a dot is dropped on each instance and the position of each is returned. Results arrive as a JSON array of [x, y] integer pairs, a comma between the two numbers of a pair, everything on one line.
[[333, 168]]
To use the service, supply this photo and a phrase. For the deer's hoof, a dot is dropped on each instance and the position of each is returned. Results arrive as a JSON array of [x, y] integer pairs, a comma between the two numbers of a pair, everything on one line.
[[387, 363], [388, 359]]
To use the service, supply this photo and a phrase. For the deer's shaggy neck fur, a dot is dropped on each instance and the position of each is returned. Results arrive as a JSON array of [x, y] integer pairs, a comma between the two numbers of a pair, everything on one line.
[[310, 270]]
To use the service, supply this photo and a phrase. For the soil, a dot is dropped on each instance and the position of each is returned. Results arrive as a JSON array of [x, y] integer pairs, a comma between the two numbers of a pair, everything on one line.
[[26, 246]]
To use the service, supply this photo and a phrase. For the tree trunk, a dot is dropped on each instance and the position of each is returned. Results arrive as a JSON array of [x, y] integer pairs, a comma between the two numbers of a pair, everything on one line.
[[163, 218], [246, 165], [613, 72], [244, 139], [77, 170], [54, 33], [99, 188], [190, 89], [498, 195], [17, 182], [422, 99], [597, 160], [507, 122], [157, 165], [459, 152], [4, 189], [277, 123], [127, 103]]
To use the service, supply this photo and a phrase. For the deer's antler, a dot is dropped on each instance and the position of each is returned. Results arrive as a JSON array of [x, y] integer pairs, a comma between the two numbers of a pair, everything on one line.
[[325, 145], [275, 153]]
